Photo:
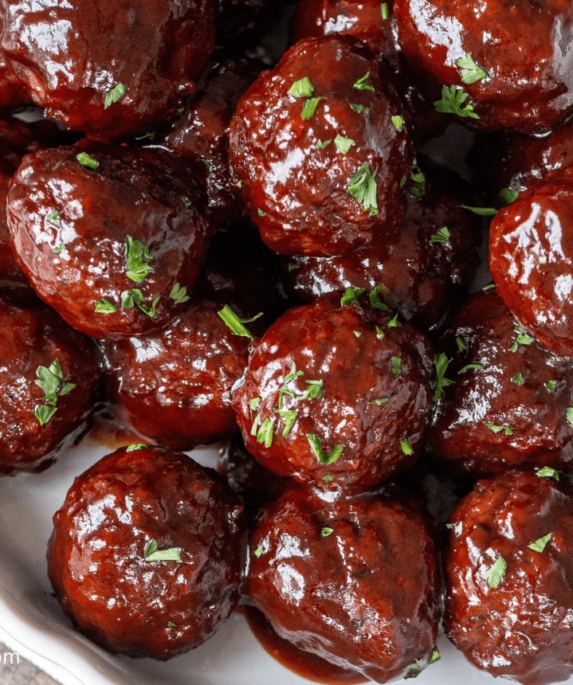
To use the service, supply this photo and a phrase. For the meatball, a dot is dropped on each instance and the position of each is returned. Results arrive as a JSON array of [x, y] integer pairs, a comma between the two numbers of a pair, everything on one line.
[[354, 580], [508, 406], [424, 270], [508, 570], [110, 237], [174, 387], [106, 69], [531, 259], [314, 153], [336, 394], [512, 62], [49, 378], [145, 557], [201, 134]]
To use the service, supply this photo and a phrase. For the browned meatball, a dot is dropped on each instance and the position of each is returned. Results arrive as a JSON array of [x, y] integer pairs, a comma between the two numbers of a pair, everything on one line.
[[509, 598], [354, 581], [508, 405], [49, 378], [145, 557], [200, 136], [174, 386], [336, 394], [424, 270], [108, 236], [512, 61], [313, 149], [531, 259], [111, 70]]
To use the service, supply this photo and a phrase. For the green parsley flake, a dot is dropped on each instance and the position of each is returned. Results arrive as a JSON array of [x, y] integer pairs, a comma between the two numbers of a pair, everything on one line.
[[265, 433], [328, 478], [254, 403], [491, 286], [396, 366], [136, 447], [321, 144], [325, 532], [323, 457], [469, 367], [419, 179], [150, 135], [44, 413], [452, 101], [375, 301], [551, 386], [495, 574], [179, 294], [114, 95], [380, 332], [351, 296], [384, 10], [54, 217], [518, 378], [258, 551], [130, 298], [481, 211], [151, 553], [105, 307], [235, 323], [363, 188], [186, 201], [442, 236], [569, 415], [171, 624], [85, 160], [435, 656], [508, 195], [523, 338], [343, 144], [441, 382], [357, 334], [461, 344], [313, 390], [548, 472], [61, 247], [150, 311], [206, 162], [261, 213], [309, 108], [381, 401], [302, 88], [539, 545], [497, 429], [50, 382], [239, 184], [469, 70], [361, 109], [289, 419], [362, 83], [394, 323], [293, 374], [406, 447], [137, 269], [398, 122]]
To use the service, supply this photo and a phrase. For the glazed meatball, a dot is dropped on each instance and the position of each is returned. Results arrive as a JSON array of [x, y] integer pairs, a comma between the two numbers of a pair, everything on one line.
[[201, 134], [531, 259], [354, 580], [49, 378], [108, 70], [508, 570], [314, 152], [174, 387], [505, 58], [336, 394], [424, 270], [108, 236], [145, 557], [508, 405]]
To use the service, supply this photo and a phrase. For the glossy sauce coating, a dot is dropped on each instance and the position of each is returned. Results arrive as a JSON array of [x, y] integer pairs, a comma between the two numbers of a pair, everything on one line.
[[174, 386], [524, 46], [96, 556], [321, 340], [140, 194], [31, 336], [422, 279], [72, 54], [510, 391], [201, 134], [365, 596], [295, 192], [531, 260], [520, 629]]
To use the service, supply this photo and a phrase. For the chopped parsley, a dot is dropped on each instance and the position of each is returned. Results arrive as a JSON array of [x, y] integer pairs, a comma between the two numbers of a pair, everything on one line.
[[239, 184], [105, 307], [50, 382], [309, 107], [569, 415], [179, 294], [150, 311], [363, 188], [380, 332], [461, 344], [396, 366], [384, 10], [289, 419], [136, 447], [394, 323], [379, 402], [551, 386], [302, 88], [548, 472], [441, 382], [235, 323], [481, 211], [435, 656], [254, 403], [495, 574], [362, 83], [261, 213], [406, 447], [518, 378], [130, 298], [539, 545], [325, 532], [151, 553], [357, 334], [54, 217], [323, 457], [451, 103], [61, 247], [360, 109], [442, 236], [258, 551], [321, 144], [508, 195], [398, 122], [375, 301], [293, 374], [114, 95], [351, 296], [313, 390], [469, 70], [343, 144], [186, 201], [328, 478], [497, 429], [150, 135], [85, 160], [265, 433], [137, 269], [469, 367], [419, 179], [523, 338]]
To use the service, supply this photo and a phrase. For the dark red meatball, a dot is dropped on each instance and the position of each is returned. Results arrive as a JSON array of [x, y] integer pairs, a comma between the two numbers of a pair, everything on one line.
[[352, 388], [201, 134], [75, 57], [174, 386], [512, 411], [354, 580], [37, 422], [328, 199], [531, 259], [516, 622], [523, 48], [424, 270], [106, 576], [72, 225]]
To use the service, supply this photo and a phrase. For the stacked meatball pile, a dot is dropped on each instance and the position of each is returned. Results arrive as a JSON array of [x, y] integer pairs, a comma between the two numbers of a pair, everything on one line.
[[213, 237]]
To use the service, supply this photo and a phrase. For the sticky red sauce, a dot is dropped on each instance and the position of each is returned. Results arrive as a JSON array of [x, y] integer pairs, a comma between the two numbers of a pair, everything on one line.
[[304, 664], [107, 433]]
